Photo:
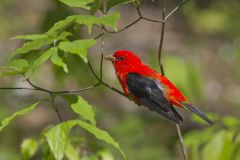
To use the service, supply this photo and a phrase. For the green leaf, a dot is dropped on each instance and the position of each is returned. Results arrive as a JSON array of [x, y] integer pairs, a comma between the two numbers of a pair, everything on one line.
[[71, 153], [57, 137], [101, 135], [95, 6], [81, 107], [77, 3], [17, 66], [230, 121], [33, 45], [31, 36], [63, 35], [58, 61], [78, 47], [223, 147], [62, 24], [113, 3], [43, 58], [28, 148], [108, 20], [88, 20], [5, 122]]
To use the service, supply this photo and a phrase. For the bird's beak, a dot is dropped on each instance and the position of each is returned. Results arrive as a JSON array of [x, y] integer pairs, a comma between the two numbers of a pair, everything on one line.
[[110, 58]]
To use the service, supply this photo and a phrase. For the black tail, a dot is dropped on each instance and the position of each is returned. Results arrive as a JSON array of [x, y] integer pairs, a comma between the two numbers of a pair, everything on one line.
[[199, 113]]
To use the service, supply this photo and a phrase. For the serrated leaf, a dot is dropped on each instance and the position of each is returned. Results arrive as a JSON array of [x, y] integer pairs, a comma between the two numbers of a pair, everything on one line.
[[43, 58], [33, 45], [17, 66], [77, 3], [57, 137], [78, 47], [81, 107], [58, 61], [113, 3], [28, 148], [5, 122]]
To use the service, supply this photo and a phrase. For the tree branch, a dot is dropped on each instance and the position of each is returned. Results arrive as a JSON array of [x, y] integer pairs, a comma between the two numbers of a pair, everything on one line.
[[162, 69], [184, 151], [161, 38], [52, 96], [175, 9]]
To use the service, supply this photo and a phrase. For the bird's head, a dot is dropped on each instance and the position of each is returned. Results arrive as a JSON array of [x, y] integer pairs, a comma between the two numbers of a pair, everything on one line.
[[123, 59]]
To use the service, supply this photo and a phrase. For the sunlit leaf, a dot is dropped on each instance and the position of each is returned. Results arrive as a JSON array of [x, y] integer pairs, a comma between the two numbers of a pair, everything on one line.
[[58, 61], [33, 45], [17, 66], [222, 145], [108, 20], [78, 47], [81, 107], [5, 122], [31, 36], [62, 24], [231, 121], [77, 3], [43, 58], [105, 155], [101, 135], [199, 137], [57, 137], [28, 148], [72, 153]]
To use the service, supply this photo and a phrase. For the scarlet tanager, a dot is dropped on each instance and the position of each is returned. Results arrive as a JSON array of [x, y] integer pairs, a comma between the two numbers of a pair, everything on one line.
[[149, 88]]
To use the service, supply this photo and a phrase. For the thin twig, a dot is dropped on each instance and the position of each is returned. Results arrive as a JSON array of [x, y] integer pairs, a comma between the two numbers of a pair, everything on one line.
[[76, 90], [52, 96], [181, 142], [175, 9], [162, 71], [120, 30], [161, 39], [18, 88], [112, 88], [153, 20], [102, 52], [49, 91], [37, 87]]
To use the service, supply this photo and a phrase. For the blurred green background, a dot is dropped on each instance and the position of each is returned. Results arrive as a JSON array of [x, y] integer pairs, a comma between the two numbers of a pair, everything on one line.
[[201, 56]]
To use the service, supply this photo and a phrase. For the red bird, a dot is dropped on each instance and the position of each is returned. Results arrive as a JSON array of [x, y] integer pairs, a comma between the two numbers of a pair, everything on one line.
[[149, 88]]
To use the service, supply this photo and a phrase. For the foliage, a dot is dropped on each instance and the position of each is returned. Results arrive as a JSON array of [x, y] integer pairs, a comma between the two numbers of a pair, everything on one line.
[[69, 139], [56, 141], [218, 142]]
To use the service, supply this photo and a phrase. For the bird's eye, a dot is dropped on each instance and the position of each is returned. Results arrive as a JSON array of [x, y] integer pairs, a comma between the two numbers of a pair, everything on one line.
[[120, 58]]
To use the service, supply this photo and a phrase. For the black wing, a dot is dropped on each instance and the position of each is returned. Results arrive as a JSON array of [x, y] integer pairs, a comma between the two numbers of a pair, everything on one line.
[[150, 93]]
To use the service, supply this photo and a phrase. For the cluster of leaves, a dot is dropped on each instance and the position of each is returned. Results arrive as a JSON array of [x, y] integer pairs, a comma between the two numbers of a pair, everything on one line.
[[218, 142], [54, 46]]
